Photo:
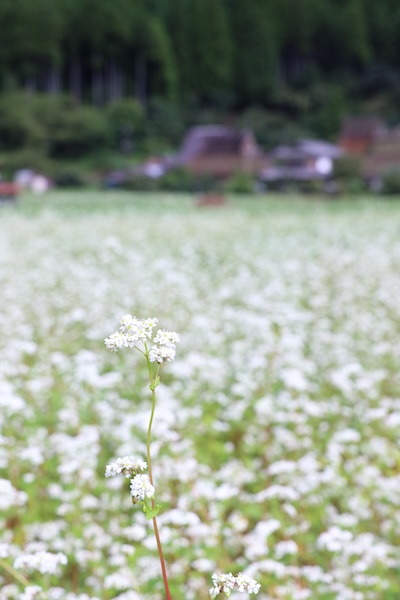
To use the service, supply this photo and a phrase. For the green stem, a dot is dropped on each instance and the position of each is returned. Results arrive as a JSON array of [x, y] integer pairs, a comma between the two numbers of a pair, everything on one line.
[[153, 407], [153, 385], [14, 572]]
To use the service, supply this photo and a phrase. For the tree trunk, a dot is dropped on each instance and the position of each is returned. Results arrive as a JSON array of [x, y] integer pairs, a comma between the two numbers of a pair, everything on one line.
[[98, 83], [30, 83], [141, 79], [53, 80], [75, 78], [114, 82]]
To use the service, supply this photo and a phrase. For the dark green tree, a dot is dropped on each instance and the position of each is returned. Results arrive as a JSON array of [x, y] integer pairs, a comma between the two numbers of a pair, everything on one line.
[[253, 26], [383, 23], [202, 44], [341, 40], [30, 50], [181, 31]]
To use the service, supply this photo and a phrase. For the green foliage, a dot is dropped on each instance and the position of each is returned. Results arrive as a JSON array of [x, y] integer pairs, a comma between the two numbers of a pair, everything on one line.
[[140, 183], [50, 125], [67, 176], [164, 79], [348, 175], [203, 184], [23, 24], [178, 180], [78, 132], [327, 110], [26, 158], [292, 103], [272, 128], [347, 167], [255, 57], [240, 183], [180, 21], [166, 121], [303, 64], [391, 182], [212, 51], [383, 22], [356, 33], [19, 127], [126, 119]]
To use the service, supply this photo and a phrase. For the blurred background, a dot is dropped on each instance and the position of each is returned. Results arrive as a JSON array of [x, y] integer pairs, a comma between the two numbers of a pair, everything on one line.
[[88, 87]]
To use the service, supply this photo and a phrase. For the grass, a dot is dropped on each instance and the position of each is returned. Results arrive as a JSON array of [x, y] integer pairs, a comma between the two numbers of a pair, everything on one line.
[[276, 429]]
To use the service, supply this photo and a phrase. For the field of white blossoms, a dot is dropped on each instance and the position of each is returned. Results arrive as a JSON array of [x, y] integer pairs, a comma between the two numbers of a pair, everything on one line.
[[276, 434]]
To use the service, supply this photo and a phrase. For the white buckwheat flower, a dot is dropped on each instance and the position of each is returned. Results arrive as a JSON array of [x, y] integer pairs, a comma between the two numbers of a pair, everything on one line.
[[125, 465], [166, 338], [244, 583], [164, 346], [30, 592], [5, 549], [149, 324], [116, 341], [225, 583], [44, 562], [141, 487], [162, 354], [133, 331], [140, 329]]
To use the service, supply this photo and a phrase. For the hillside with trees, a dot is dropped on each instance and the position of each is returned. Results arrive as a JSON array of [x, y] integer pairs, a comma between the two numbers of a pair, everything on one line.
[[136, 73]]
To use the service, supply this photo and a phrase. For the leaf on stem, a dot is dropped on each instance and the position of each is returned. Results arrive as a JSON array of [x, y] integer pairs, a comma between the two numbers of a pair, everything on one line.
[[151, 512]]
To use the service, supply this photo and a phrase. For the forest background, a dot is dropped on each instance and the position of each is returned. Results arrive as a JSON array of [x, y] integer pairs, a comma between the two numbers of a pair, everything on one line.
[[88, 83]]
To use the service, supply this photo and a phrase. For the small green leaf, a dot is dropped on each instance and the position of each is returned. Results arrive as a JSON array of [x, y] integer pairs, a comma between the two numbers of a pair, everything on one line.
[[151, 512], [155, 383]]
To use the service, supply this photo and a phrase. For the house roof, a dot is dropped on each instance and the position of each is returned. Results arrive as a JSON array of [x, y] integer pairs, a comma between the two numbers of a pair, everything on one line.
[[214, 140], [305, 149], [363, 126], [315, 148]]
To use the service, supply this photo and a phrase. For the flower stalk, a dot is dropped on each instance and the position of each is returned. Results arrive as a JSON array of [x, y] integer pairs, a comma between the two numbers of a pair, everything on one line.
[[136, 333], [154, 382], [12, 571]]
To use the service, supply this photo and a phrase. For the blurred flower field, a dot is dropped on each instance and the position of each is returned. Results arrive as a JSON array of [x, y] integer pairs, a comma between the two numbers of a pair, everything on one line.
[[276, 436]]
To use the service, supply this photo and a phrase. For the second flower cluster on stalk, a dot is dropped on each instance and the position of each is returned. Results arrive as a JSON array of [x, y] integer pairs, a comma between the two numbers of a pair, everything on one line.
[[142, 490]]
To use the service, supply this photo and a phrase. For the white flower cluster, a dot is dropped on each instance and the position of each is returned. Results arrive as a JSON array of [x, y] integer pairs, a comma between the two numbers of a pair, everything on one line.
[[129, 466], [141, 488], [133, 331], [4, 549], [125, 465], [44, 562], [164, 349], [30, 592], [9, 496], [226, 582]]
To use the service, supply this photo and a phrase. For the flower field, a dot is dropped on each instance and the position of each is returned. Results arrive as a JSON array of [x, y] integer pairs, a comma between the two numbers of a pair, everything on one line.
[[276, 434]]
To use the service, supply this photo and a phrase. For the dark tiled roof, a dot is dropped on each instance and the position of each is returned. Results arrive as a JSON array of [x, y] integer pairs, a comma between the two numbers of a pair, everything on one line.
[[213, 140], [366, 126]]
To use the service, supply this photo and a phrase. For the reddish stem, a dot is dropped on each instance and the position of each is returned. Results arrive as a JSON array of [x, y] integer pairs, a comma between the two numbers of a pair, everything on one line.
[[162, 561], [159, 547]]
